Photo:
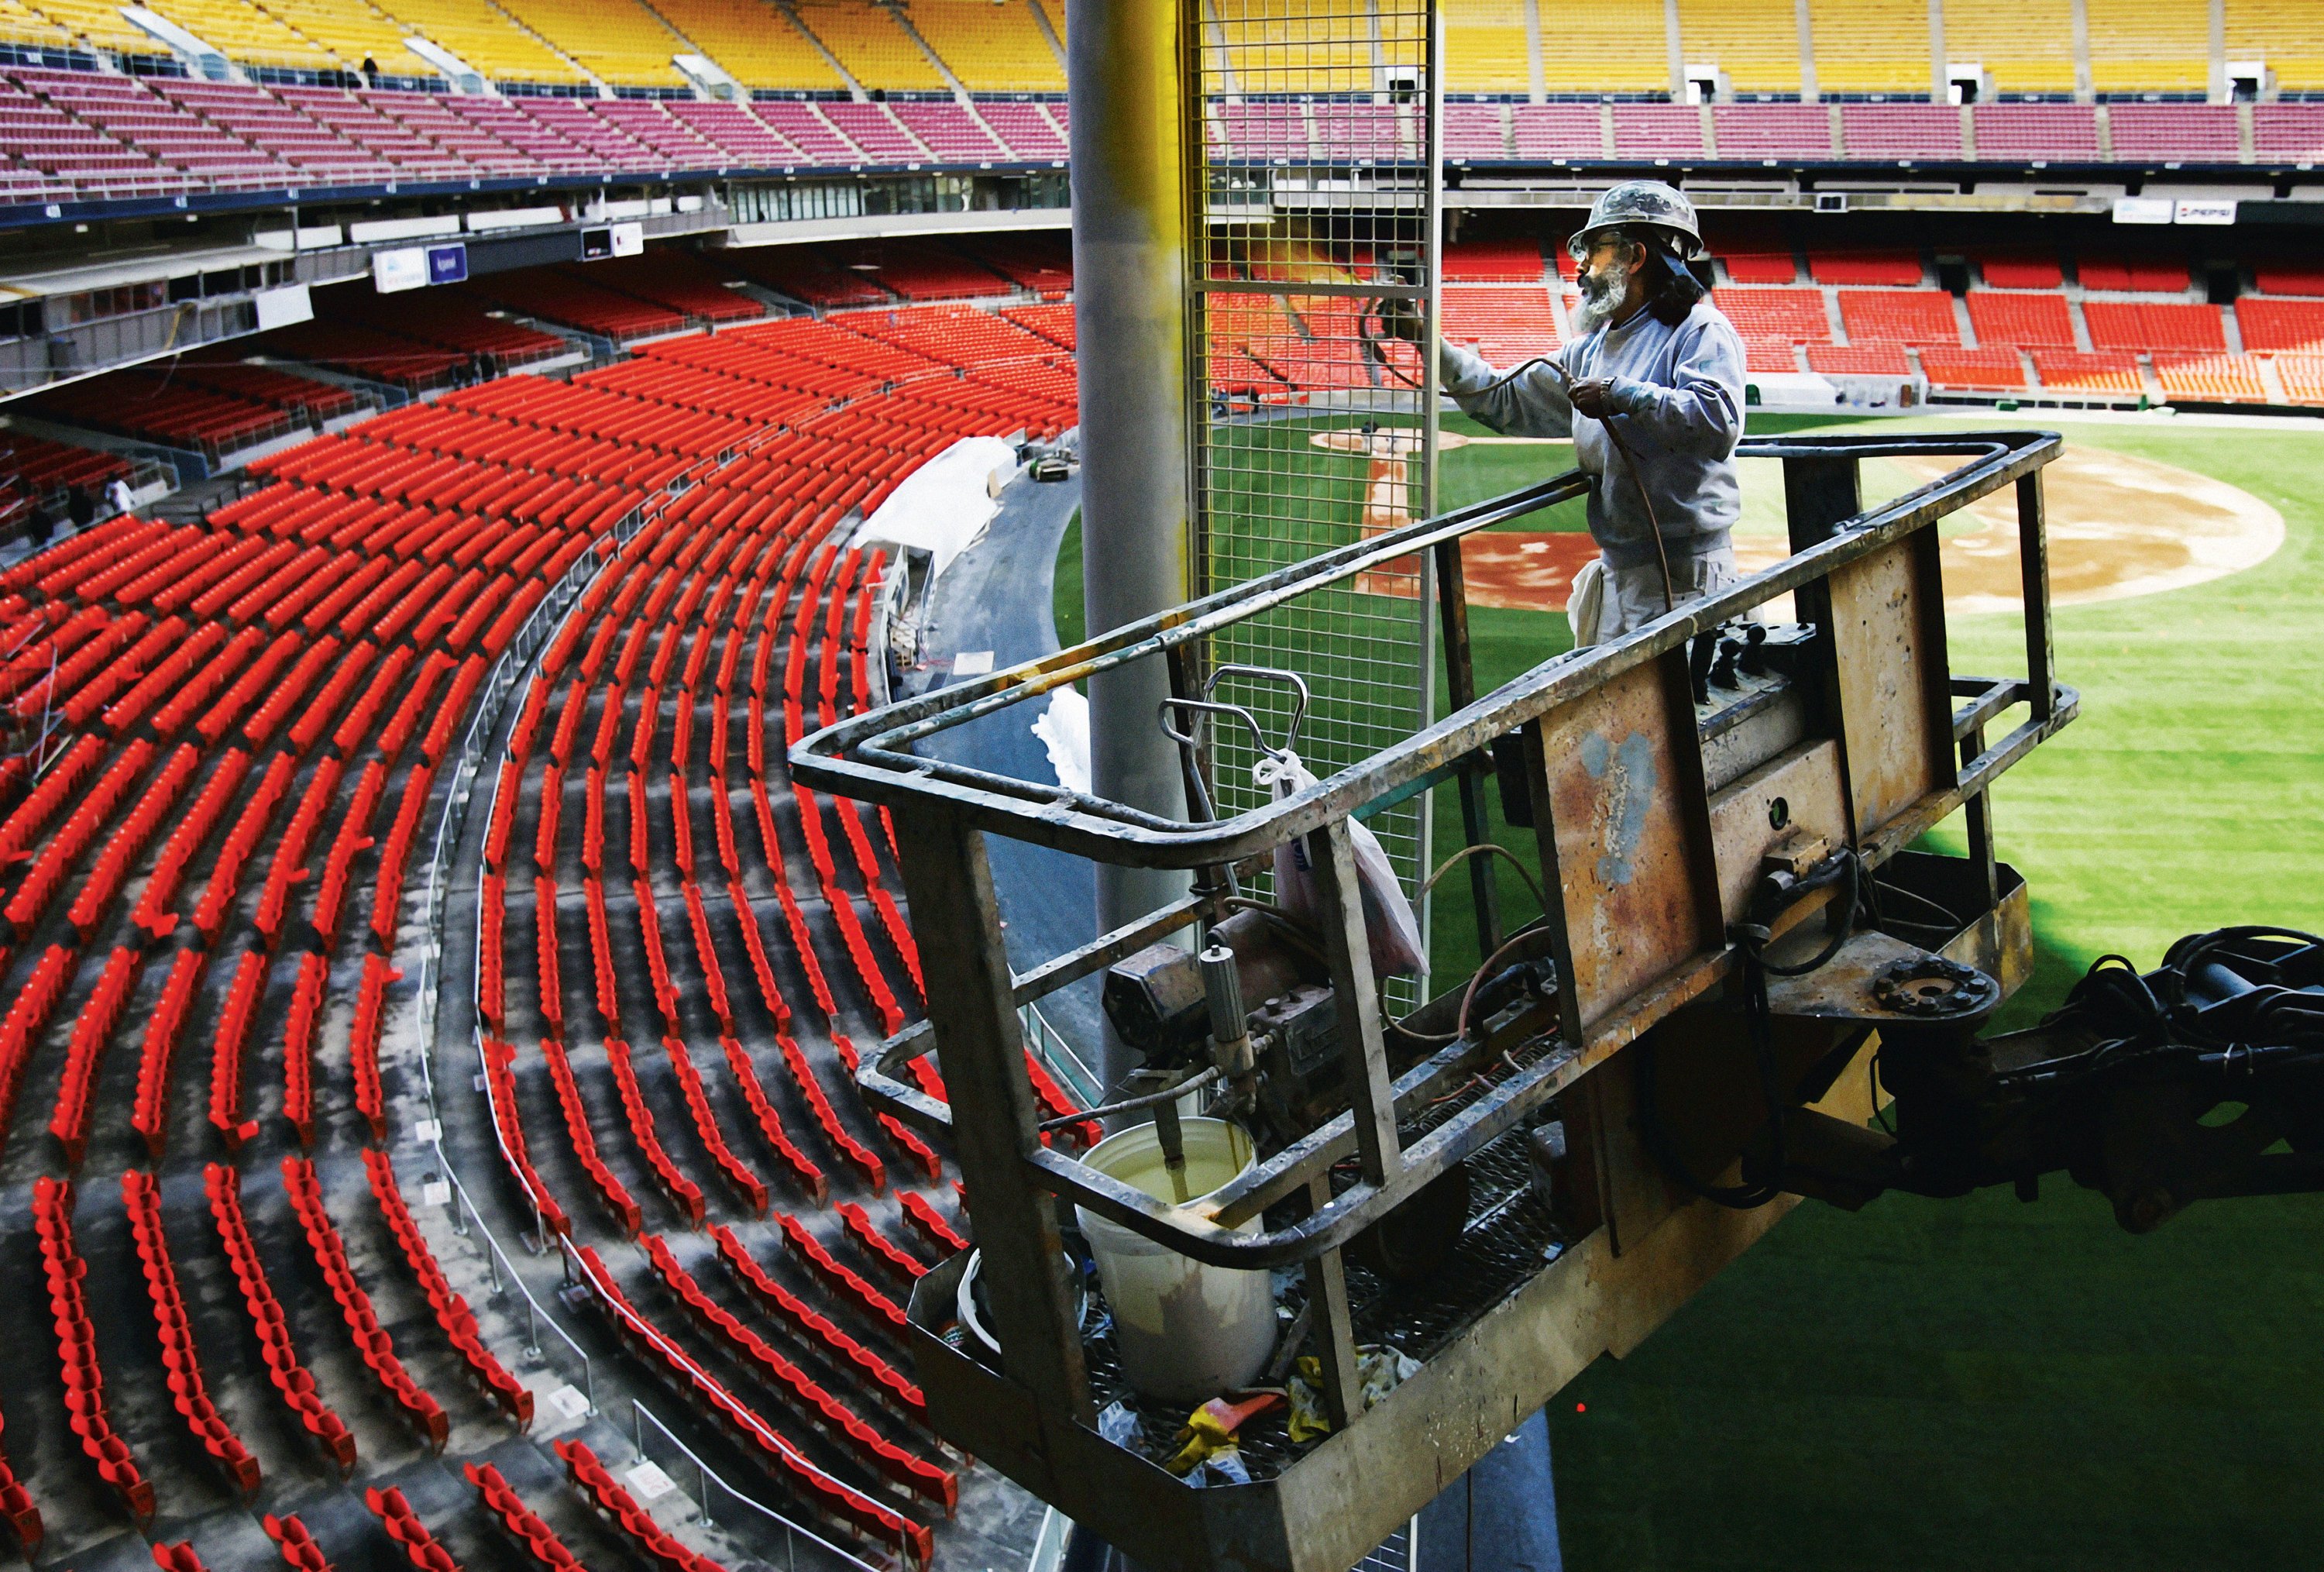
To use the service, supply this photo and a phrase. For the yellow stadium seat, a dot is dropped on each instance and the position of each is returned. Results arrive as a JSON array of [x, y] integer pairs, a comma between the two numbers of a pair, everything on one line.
[[1870, 46], [1269, 51], [21, 25], [619, 40], [1485, 47], [866, 39], [756, 43], [99, 22], [353, 30], [992, 46], [1609, 46], [2025, 46], [243, 31], [1756, 42], [2150, 46], [484, 38], [2288, 34]]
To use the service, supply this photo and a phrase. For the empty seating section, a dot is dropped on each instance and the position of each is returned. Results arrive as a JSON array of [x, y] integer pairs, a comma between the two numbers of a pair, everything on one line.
[[2143, 274], [1615, 47], [2047, 133], [757, 44], [2211, 378], [487, 38], [951, 133], [358, 600], [2021, 321], [245, 31], [1262, 46], [1914, 316], [1556, 131], [872, 44], [2149, 45], [620, 42], [1865, 267], [992, 48], [1756, 42], [2272, 326], [2292, 133], [1654, 130], [2021, 271], [1901, 131], [1493, 262], [1991, 370], [2142, 326], [918, 270], [1476, 132], [2288, 34], [2068, 371], [1870, 46], [1504, 323], [1026, 130], [2176, 133], [2025, 46], [1795, 315], [352, 30], [1779, 130], [1485, 47], [874, 129]]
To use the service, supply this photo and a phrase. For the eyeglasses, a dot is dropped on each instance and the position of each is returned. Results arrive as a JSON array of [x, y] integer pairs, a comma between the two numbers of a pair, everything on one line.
[[1582, 247]]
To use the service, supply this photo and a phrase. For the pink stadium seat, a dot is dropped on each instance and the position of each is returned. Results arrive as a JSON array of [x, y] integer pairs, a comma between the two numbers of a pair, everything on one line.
[[2288, 133], [2176, 133], [1473, 132], [1901, 131], [1656, 131], [1771, 131], [1556, 131], [2037, 132]]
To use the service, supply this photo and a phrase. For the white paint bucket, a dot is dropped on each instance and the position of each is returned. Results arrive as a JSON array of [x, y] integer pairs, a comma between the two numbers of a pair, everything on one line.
[[1185, 1332]]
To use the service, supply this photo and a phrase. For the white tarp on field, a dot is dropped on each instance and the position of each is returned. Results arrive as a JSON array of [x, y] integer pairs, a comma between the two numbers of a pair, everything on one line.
[[944, 504], [1064, 728]]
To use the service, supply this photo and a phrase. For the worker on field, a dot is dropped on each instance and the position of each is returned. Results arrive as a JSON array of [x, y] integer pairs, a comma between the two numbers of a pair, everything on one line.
[[1650, 388]]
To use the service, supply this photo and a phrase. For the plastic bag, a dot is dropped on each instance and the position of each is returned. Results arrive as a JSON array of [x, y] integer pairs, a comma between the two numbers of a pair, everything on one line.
[[1585, 607], [1393, 933]]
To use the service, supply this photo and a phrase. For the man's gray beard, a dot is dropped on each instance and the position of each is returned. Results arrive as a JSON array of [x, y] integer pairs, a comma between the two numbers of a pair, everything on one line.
[[1599, 301]]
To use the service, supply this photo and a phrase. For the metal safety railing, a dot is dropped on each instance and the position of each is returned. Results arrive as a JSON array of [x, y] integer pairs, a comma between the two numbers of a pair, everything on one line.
[[1611, 759], [711, 1487]]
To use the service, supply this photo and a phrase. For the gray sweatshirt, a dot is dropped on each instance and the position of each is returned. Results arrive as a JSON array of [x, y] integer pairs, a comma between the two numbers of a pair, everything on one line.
[[1677, 395]]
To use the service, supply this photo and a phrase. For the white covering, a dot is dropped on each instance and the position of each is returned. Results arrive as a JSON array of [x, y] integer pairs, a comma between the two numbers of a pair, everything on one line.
[[944, 504], [1064, 728]]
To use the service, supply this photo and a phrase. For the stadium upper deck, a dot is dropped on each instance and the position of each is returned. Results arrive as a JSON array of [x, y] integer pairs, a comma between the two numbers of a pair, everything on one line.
[[1745, 49]]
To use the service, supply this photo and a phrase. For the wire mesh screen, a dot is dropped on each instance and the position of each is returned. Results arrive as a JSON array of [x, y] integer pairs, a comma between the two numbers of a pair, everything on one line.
[[1316, 124]]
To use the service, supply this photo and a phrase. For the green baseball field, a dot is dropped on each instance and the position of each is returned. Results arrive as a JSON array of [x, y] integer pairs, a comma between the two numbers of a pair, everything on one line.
[[1987, 1383]]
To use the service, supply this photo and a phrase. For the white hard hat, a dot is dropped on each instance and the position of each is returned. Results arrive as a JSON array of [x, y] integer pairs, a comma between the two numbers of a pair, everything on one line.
[[1643, 204]]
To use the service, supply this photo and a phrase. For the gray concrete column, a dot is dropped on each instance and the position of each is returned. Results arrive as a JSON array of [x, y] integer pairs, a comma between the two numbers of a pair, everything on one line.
[[1125, 91]]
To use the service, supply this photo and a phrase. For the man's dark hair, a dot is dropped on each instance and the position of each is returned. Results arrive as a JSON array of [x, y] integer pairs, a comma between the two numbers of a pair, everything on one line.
[[1672, 288]]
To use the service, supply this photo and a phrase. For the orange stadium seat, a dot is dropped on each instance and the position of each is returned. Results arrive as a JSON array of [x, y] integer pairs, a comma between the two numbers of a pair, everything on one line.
[[2065, 371]]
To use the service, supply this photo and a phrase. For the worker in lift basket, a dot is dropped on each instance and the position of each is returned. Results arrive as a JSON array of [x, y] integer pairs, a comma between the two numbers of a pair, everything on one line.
[[1651, 390]]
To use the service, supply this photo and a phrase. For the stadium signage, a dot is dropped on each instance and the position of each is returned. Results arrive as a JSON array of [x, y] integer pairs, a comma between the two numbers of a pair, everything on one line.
[[414, 267]]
